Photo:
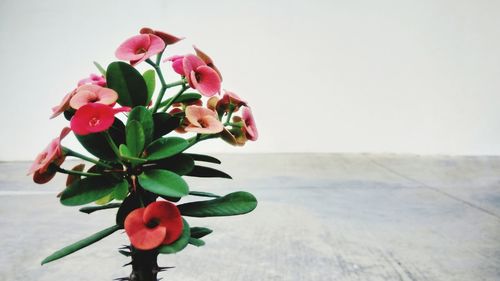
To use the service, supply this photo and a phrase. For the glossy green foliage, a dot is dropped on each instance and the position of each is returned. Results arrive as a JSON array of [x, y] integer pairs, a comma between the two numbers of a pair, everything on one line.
[[207, 172], [164, 123], [90, 189], [204, 158], [166, 147], [180, 164], [91, 209], [128, 205], [164, 183], [200, 232], [236, 203], [134, 138], [80, 244], [185, 97], [144, 117], [150, 79], [128, 83], [196, 242], [97, 144], [204, 194], [100, 68], [180, 243]]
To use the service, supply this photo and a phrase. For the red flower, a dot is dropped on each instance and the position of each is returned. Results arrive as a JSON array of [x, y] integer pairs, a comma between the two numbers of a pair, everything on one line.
[[205, 58], [93, 79], [94, 118], [52, 154], [230, 99], [160, 223]]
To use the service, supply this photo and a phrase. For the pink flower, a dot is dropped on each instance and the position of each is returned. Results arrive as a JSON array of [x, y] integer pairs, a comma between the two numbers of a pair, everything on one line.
[[52, 154], [176, 63], [230, 99], [200, 76], [139, 48], [93, 79], [94, 118], [93, 94], [160, 223], [250, 127], [167, 38], [63, 106], [205, 58], [202, 120]]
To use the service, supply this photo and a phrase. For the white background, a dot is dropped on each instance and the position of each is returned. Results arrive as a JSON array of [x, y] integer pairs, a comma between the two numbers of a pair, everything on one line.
[[321, 76]]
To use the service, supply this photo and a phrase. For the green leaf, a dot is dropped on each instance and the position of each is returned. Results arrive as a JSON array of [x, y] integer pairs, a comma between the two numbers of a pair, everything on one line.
[[166, 147], [105, 200], [91, 209], [203, 194], [196, 242], [150, 79], [100, 68], [81, 244], [163, 182], [180, 164], [200, 232], [128, 83], [135, 138], [207, 172], [204, 158], [186, 97], [89, 190], [164, 123], [126, 154], [121, 190], [236, 203], [143, 116], [128, 205], [180, 243], [97, 144]]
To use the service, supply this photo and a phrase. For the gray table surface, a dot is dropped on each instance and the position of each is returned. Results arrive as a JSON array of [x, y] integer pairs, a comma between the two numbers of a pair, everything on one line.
[[320, 217]]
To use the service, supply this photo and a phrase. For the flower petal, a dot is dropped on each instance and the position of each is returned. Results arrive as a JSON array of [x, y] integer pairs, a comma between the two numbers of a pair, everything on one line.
[[133, 48], [168, 216], [206, 80], [140, 235], [250, 127], [190, 63]]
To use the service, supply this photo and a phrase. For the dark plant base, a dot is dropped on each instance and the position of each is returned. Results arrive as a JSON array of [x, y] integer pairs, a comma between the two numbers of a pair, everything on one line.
[[144, 265]]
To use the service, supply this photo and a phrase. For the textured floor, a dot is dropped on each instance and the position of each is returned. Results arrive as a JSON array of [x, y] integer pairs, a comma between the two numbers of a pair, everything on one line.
[[320, 217]]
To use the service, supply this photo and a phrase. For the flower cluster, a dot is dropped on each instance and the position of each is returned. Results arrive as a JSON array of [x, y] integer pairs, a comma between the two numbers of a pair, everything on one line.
[[139, 162]]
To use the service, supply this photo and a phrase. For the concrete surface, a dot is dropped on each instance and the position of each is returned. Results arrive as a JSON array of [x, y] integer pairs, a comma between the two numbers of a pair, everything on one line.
[[320, 217]]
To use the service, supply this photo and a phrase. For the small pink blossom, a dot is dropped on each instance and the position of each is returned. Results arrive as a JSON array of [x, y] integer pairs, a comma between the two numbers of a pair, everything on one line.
[[94, 118], [200, 76], [52, 154], [202, 120], [93, 94], [176, 63], [93, 79], [63, 106], [139, 48], [230, 99], [205, 58], [169, 39], [250, 127]]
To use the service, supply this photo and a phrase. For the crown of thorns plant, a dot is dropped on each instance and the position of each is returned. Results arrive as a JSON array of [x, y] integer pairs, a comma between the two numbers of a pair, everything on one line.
[[139, 159]]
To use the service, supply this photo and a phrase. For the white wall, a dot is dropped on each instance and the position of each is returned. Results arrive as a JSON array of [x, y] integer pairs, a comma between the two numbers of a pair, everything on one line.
[[328, 76]]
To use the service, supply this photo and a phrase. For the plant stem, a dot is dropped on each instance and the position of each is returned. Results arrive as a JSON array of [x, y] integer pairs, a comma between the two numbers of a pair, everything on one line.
[[199, 137], [112, 144], [172, 100], [70, 152], [76, 173], [144, 265], [163, 84]]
